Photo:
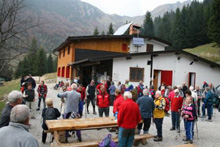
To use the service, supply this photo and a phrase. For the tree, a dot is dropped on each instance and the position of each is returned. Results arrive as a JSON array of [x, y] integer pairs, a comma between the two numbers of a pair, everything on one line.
[[32, 55], [55, 65], [50, 63], [40, 66], [96, 32], [214, 22], [13, 26], [148, 26], [110, 29], [103, 32]]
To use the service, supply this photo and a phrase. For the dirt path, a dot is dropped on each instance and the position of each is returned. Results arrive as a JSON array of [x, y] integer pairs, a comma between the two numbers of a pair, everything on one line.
[[209, 134]]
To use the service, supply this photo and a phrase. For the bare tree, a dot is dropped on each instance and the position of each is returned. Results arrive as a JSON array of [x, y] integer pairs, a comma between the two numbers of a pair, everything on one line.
[[14, 27]]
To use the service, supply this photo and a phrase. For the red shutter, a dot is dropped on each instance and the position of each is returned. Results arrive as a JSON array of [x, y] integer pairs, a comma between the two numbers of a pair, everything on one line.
[[67, 72], [167, 77], [124, 47], [63, 71], [58, 72]]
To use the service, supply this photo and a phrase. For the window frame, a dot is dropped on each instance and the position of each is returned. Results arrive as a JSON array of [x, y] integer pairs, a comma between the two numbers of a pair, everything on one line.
[[148, 44], [136, 79]]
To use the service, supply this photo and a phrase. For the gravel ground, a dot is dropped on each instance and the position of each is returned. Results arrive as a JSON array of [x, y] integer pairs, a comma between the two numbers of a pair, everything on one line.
[[209, 134]]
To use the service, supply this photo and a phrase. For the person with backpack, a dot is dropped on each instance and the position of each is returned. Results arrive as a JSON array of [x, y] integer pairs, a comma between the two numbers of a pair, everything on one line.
[[158, 115], [128, 118], [31, 81], [49, 113], [82, 92], [140, 89], [29, 97], [103, 102], [208, 102], [91, 95], [152, 92], [176, 105], [42, 94], [146, 106], [189, 116]]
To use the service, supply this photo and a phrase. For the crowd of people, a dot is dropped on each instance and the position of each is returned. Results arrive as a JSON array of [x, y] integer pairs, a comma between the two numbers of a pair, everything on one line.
[[134, 108]]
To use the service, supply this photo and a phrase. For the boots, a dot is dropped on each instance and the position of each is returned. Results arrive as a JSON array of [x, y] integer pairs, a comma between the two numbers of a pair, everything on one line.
[[189, 142], [158, 138]]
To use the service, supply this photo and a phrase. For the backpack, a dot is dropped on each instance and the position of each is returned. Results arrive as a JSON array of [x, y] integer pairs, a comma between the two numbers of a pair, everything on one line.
[[50, 114], [107, 142], [215, 98], [167, 106]]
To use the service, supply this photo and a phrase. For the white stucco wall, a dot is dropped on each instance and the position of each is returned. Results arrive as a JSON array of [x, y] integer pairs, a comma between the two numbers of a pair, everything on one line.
[[121, 68], [167, 61], [158, 46]]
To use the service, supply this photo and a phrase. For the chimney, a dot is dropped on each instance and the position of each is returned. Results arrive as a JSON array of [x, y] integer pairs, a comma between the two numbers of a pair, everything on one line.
[[134, 30]]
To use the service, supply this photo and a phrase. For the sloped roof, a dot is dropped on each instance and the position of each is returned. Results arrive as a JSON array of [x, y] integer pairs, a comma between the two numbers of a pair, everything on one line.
[[79, 38], [108, 57]]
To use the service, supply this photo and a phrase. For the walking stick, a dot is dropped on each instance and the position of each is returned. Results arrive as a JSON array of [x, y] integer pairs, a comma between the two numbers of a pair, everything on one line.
[[86, 108], [197, 130]]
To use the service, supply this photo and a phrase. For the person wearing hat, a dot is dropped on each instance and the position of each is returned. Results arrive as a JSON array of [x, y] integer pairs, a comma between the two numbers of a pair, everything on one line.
[[176, 105]]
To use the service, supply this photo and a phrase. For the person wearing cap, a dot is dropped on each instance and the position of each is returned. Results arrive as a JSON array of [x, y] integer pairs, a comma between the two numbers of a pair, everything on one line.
[[49, 113], [14, 98], [176, 105]]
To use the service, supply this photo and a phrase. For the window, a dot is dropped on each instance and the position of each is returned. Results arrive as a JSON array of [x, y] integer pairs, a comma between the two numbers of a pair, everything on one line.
[[63, 71], [67, 71], [68, 49], [124, 47], [64, 52], [150, 47], [58, 72], [59, 54], [136, 74]]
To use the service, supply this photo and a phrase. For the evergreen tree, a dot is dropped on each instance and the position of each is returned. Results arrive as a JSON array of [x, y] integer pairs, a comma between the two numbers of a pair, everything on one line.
[[50, 67], [31, 57], [55, 65], [18, 71], [103, 32], [40, 67], [148, 26], [96, 32], [110, 29], [214, 22]]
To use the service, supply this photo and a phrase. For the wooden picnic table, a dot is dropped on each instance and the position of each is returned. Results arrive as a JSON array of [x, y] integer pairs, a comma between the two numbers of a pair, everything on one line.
[[81, 124], [58, 127]]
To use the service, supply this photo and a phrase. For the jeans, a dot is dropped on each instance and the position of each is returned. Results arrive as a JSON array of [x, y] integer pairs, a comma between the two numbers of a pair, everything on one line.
[[159, 122], [125, 137], [189, 128], [147, 122], [81, 103], [203, 110], [112, 99], [209, 109], [39, 101], [175, 117], [104, 110], [93, 103]]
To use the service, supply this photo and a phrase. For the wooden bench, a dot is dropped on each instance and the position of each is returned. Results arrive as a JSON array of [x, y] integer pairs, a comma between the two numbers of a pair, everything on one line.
[[94, 143]]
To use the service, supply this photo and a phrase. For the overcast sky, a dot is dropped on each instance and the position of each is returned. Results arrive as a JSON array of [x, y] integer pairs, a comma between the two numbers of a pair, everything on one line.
[[128, 7]]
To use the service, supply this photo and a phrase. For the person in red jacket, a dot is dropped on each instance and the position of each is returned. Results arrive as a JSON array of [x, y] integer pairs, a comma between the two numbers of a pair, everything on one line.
[[128, 118], [176, 105], [98, 87], [103, 102], [82, 91], [118, 101], [42, 94]]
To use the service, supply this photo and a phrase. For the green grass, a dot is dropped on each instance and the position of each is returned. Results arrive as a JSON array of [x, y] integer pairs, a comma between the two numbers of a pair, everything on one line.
[[50, 76], [7, 88], [208, 51]]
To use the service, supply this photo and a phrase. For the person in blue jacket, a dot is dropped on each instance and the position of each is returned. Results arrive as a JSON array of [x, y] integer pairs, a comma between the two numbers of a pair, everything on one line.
[[209, 103]]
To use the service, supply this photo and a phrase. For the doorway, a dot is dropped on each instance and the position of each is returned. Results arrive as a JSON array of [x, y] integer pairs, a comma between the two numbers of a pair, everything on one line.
[[192, 79]]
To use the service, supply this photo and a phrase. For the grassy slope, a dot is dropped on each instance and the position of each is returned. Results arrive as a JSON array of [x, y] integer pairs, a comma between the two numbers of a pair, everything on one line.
[[8, 87], [208, 51]]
